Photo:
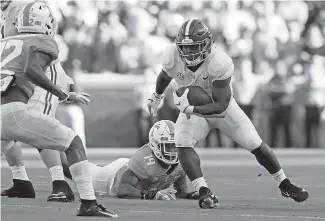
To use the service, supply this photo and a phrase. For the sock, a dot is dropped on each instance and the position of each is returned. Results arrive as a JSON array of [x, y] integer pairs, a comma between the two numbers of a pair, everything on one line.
[[56, 173], [82, 177], [19, 173], [199, 182], [279, 176]]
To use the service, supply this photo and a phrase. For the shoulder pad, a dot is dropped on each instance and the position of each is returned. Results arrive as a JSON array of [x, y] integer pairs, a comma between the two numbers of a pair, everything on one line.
[[141, 162], [169, 58], [221, 66], [45, 44]]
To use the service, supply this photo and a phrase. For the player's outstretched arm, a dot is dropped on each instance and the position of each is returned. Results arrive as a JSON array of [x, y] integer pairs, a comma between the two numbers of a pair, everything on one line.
[[127, 187], [35, 70], [162, 82], [183, 191]]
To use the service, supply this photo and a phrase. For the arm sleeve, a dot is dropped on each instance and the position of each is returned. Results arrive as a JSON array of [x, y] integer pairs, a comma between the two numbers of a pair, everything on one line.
[[45, 44]]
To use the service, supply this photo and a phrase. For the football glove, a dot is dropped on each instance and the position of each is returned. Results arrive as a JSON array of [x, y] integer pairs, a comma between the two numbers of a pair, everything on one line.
[[182, 102], [153, 103], [165, 195], [148, 194], [188, 195], [82, 98]]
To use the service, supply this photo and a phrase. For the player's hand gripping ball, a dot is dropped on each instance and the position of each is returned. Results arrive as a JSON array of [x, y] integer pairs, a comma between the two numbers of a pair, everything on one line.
[[196, 95]]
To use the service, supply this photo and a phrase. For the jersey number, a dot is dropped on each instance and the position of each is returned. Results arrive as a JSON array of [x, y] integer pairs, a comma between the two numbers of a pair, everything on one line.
[[151, 160], [18, 47]]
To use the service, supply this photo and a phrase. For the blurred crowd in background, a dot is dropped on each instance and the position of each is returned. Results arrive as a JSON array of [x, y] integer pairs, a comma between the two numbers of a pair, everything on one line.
[[277, 47]]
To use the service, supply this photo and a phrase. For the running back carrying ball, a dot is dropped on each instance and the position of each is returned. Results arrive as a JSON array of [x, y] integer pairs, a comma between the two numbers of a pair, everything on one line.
[[196, 96]]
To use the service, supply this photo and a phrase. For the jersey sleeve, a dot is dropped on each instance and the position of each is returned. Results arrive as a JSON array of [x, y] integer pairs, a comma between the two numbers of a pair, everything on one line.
[[221, 66], [169, 58], [45, 44]]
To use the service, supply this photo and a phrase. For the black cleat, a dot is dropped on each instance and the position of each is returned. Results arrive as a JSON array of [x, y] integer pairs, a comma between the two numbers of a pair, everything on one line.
[[289, 190], [98, 211], [61, 192], [207, 199], [20, 189]]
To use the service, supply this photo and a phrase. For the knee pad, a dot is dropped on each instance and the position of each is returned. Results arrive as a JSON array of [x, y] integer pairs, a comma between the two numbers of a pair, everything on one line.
[[185, 140]]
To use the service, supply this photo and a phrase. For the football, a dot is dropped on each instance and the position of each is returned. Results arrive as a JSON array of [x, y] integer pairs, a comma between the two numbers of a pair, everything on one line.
[[196, 95]]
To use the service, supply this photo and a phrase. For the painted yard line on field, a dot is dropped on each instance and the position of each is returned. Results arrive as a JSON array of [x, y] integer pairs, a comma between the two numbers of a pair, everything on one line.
[[202, 151], [177, 213], [207, 163]]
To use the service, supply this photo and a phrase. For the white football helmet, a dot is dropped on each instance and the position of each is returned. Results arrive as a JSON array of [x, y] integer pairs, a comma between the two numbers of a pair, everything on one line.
[[162, 143], [35, 17]]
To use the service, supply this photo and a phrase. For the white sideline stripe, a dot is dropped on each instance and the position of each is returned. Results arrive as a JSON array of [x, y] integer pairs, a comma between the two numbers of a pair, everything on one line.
[[178, 213], [37, 163], [201, 151]]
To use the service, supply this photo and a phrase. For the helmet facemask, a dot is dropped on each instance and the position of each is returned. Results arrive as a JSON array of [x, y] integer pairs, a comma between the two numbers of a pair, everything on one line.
[[169, 152], [193, 53]]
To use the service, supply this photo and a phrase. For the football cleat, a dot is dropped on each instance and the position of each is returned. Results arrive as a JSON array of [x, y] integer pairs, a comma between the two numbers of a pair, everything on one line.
[[207, 200], [61, 192], [289, 190], [20, 189], [98, 211]]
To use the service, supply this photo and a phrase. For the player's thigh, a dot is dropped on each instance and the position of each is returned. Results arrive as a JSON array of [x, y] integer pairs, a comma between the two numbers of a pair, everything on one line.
[[13, 115], [190, 130], [238, 127], [45, 132]]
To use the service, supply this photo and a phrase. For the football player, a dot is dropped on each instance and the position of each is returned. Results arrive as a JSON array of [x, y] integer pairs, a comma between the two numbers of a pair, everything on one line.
[[43, 102], [194, 61], [24, 59], [148, 174]]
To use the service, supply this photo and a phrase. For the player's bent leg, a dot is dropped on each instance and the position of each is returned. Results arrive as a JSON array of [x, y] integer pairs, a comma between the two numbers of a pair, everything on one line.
[[189, 131], [266, 157], [61, 191], [240, 129], [81, 174], [44, 132], [22, 187]]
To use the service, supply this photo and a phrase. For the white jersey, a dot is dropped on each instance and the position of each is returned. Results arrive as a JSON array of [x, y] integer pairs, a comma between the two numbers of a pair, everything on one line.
[[217, 66], [42, 100]]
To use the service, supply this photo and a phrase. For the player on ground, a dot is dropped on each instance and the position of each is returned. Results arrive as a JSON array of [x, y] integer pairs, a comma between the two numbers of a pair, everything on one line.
[[24, 59], [43, 102], [150, 171], [193, 61]]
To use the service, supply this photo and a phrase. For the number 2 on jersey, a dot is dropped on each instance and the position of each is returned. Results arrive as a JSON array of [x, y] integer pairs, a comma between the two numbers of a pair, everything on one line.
[[18, 47]]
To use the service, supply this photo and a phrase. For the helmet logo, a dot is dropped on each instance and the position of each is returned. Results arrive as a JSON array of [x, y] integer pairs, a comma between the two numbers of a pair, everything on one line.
[[203, 30]]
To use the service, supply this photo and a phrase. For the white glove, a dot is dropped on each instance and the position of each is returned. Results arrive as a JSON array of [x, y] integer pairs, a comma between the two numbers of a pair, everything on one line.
[[182, 102], [165, 195], [153, 103], [82, 98]]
